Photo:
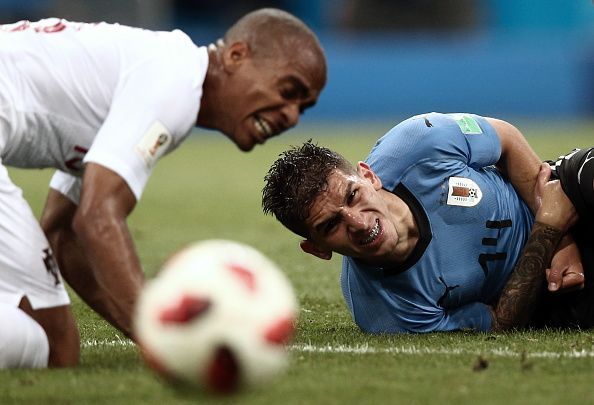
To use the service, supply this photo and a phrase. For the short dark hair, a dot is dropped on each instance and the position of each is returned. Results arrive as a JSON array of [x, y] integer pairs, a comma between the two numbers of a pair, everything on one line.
[[294, 181], [267, 31]]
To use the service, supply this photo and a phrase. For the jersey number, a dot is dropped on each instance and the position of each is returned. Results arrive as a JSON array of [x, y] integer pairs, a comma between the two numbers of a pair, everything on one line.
[[485, 258]]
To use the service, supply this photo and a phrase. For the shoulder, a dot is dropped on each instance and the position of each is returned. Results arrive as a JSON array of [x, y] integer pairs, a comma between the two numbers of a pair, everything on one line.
[[434, 123], [424, 132], [423, 138]]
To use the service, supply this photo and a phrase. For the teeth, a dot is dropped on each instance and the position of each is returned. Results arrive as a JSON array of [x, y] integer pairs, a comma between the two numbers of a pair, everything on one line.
[[263, 127], [373, 234]]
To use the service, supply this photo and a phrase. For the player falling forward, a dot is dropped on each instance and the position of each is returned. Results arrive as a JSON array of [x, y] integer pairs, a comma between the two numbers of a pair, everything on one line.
[[102, 103]]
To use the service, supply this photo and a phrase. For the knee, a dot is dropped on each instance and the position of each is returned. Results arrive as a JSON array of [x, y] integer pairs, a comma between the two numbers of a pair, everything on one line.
[[61, 332], [23, 342]]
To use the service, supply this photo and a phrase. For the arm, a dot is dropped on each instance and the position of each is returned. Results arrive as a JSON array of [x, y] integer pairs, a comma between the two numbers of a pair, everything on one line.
[[518, 162], [56, 221], [554, 216], [100, 232]]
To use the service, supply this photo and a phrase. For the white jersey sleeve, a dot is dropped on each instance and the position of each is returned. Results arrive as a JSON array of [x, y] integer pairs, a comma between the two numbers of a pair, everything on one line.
[[73, 93], [67, 185], [153, 109]]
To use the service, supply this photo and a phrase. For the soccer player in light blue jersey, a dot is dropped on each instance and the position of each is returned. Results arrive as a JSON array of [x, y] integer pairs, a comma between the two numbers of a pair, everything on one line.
[[451, 223]]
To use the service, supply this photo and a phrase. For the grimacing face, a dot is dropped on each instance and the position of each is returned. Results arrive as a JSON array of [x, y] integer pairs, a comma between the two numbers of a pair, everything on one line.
[[354, 217], [267, 97]]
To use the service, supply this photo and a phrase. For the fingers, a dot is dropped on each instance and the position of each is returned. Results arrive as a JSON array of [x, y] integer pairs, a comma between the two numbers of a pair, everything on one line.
[[555, 278], [564, 280], [545, 173], [573, 281], [543, 177], [553, 206]]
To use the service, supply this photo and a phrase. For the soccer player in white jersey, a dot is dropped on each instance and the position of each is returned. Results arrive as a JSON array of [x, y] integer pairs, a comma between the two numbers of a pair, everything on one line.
[[102, 103]]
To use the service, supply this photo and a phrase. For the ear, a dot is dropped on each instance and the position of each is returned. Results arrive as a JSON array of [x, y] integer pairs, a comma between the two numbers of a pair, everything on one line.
[[365, 172], [234, 55], [309, 247]]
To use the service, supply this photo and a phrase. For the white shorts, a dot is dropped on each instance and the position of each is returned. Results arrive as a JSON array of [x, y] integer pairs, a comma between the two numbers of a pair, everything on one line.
[[27, 265]]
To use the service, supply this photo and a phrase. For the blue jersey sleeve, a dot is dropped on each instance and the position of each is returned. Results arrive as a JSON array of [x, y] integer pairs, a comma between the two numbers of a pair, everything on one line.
[[464, 138]]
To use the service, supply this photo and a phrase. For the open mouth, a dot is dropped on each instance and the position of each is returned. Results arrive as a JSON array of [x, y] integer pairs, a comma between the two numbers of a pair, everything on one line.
[[263, 127], [373, 234]]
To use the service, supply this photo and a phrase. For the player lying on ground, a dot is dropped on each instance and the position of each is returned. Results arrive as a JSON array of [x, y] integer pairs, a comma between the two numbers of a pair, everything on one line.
[[432, 225], [102, 103]]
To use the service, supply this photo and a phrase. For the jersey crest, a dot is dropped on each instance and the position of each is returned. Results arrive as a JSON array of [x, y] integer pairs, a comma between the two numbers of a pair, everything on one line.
[[463, 192], [154, 143]]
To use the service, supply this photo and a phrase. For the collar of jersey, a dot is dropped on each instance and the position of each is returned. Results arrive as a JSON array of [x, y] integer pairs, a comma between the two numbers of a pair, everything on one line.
[[423, 225]]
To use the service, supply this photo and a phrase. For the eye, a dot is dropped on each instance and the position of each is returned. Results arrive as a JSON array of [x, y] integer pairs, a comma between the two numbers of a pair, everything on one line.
[[331, 225], [352, 196], [289, 93]]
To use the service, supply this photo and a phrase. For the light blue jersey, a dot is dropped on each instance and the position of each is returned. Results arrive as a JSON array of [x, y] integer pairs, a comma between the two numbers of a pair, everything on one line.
[[472, 226]]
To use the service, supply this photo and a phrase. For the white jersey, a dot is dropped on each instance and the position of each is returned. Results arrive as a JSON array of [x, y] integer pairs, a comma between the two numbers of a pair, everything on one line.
[[72, 93]]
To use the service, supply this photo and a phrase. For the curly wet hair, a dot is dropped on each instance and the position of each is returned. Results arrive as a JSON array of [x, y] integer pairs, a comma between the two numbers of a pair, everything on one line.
[[294, 181]]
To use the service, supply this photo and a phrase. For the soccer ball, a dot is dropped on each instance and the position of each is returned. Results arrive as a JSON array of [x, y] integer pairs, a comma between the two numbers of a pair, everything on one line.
[[218, 316]]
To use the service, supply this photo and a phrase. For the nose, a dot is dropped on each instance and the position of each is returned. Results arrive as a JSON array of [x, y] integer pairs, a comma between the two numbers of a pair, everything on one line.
[[291, 113], [355, 221]]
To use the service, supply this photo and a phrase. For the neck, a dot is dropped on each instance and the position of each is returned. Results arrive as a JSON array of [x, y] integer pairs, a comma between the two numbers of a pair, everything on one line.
[[210, 88], [406, 226]]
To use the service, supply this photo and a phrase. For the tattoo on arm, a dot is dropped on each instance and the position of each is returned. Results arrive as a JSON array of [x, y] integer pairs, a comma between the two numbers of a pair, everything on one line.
[[521, 293]]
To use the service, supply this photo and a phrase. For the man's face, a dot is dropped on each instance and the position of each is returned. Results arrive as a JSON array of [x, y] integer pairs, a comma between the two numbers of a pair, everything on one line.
[[353, 217], [266, 97]]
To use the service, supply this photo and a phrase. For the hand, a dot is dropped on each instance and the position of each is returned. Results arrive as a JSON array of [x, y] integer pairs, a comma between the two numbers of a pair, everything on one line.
[[566, 272], [553, 208]]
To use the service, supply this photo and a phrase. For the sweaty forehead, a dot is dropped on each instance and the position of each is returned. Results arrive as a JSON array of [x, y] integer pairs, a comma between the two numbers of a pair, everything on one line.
[[308, 64], [331, 199]]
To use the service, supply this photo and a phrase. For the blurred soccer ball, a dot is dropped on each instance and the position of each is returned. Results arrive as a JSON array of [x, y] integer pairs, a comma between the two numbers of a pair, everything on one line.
[[218, 316]]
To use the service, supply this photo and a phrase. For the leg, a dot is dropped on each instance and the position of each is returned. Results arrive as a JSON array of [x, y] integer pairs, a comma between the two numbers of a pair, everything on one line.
[[61, 331], [576, 173], [575, 309], [29, 276], [23, 342]]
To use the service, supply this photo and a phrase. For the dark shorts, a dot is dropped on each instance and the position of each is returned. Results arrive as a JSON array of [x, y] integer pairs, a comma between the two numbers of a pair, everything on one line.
[[574, 309], [576, 173]]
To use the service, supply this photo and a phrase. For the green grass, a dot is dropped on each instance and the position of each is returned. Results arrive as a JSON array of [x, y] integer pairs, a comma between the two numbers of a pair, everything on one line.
[[207, 189]]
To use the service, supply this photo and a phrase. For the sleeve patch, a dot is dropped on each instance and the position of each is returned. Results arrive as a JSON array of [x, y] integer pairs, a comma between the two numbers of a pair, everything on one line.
[[154, 143], [468, 125]]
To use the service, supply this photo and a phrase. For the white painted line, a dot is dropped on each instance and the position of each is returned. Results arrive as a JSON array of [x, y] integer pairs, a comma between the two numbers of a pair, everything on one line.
[[119, 342], [415, 350], [404, 350]]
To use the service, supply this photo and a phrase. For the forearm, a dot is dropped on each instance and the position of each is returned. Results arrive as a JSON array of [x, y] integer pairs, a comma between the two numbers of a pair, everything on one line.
[[114, 272], [93, 284], [76, 270], [522, 291]]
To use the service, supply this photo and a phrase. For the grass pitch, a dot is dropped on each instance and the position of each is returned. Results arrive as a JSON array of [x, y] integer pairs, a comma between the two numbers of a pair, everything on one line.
[[207, 189]]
